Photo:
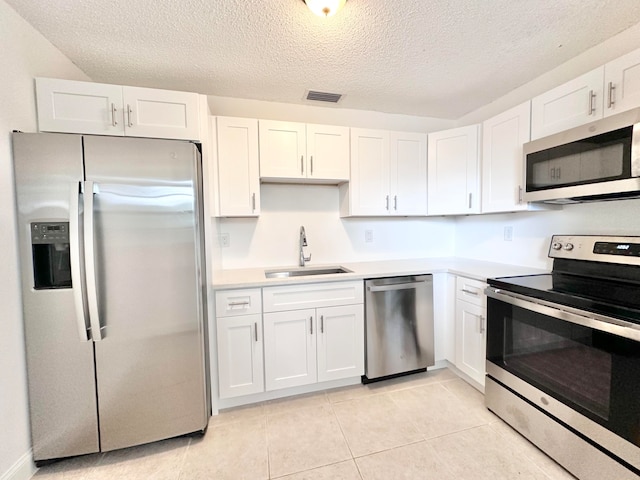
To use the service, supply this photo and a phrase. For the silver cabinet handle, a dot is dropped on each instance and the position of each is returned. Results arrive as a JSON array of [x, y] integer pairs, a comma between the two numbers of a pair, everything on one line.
[[90, 189], [520, 194], [255, 327], [114, 110], [559, 173], [238, 304], [301, 164], [553, 173], [470, 292], [321, 323], [129, 116], [387, 203], [253, 202], [77, 284], [592, 97], [395, 202], [482, 327], [396, 286], [311, 325], [611, 101], [470, 199], [311, 159]]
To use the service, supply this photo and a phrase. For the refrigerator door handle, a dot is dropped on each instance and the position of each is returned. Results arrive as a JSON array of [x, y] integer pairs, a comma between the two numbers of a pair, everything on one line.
[[77, 282], [90, 189]]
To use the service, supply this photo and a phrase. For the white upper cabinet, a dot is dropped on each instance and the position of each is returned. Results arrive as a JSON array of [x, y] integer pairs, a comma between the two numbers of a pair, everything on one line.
[[238, 167], [574, 103], [453, 163], [408, 174], [103, 109], [502, 159], [622, 83], [292, 151], [388, 174]]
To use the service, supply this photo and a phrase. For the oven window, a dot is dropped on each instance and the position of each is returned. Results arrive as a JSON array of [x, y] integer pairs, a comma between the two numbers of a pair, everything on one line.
[[593, 372], [600, 158]]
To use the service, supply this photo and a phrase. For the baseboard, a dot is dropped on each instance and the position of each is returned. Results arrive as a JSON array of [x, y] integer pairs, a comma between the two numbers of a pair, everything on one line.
[[23, 469]]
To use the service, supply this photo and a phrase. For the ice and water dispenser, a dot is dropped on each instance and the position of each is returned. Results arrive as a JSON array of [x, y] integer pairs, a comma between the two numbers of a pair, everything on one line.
[[51, 256]]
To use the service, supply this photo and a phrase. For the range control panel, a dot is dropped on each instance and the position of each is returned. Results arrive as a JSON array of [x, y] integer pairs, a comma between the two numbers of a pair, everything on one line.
[[609, 249]]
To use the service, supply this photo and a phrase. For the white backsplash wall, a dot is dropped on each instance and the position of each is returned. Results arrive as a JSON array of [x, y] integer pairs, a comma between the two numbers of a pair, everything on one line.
[[273, 238], [482, 237]]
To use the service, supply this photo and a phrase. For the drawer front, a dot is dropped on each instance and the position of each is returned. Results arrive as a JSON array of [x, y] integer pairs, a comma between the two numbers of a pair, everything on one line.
[[313, 295], [471, 291], [230, 303]]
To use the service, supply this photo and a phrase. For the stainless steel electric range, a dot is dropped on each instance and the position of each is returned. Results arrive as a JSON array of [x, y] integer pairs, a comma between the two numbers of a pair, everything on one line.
[[563, 355]]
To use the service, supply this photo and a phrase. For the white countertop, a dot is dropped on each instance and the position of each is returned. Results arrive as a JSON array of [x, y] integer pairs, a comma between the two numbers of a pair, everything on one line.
[[476, 269]]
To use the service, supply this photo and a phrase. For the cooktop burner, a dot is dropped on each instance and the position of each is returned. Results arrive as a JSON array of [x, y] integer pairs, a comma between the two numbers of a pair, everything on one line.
[[596, 274]]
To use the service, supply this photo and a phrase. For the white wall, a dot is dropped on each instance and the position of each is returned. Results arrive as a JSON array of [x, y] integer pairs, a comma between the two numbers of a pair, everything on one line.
[[330, 115], [24, 54], [482, 237], [272, 239]]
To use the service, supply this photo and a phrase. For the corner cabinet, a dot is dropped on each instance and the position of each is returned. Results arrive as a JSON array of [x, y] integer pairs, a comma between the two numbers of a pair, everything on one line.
[[471, 328], [622, 83], [502, 159], [238, 180], [453, 164], [388, 174], [240, 342], [103, 109], [303, 153], [313, 333]]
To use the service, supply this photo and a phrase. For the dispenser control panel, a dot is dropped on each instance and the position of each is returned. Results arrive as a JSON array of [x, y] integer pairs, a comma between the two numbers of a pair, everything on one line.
[[49, 232]]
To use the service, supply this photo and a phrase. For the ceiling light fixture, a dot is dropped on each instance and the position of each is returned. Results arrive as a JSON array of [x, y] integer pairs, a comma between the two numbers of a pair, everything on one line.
[[325, 8]]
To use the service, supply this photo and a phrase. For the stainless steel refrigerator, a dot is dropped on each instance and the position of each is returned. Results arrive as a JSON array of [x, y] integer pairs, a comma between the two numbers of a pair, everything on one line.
[[111, 253]]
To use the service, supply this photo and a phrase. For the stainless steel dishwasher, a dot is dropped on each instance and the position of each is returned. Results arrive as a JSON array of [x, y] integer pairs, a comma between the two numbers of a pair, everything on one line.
[[398, 326]]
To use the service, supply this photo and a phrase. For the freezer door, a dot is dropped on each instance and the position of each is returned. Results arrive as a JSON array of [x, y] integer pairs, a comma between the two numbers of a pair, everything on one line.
[[150, 360], [60, 367]]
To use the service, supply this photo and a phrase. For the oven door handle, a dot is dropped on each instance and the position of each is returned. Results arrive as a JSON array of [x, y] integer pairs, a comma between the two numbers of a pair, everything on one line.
[[596, 321]]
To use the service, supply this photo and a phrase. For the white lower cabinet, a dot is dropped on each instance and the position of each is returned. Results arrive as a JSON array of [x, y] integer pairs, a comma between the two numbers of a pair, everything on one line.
[[290, 349], [471, 331], [309, 345], [240, 342]]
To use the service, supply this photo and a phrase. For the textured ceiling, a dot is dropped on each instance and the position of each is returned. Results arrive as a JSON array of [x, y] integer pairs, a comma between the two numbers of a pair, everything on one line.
[[440, 58]]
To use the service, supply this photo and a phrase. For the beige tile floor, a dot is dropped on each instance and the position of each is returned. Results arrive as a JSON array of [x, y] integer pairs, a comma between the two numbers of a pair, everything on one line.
[[424, 426]]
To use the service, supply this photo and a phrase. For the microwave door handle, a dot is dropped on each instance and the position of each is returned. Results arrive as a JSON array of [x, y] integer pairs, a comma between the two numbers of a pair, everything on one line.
[[90, 189], [77, 284]]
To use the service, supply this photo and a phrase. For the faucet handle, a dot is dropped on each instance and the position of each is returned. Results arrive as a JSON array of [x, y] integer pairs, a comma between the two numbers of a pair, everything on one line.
[[307, 259]]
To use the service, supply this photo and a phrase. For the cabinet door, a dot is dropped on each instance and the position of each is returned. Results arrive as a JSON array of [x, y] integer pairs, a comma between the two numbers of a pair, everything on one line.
[[453, 171], [574, 103], [327, 153], [622, 83], [340, 342], [282, 150], [154, 113], [369, 184], [79, 107], [408, 173], [471, 340], [240, 363], [290, 348], [238, 164], [502, 159]]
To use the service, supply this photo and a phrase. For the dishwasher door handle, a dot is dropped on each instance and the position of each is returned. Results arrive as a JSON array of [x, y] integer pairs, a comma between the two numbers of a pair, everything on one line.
[[397, 286]]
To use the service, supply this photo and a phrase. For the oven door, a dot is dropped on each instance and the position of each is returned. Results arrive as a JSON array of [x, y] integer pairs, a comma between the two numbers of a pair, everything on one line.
[[589, 367]]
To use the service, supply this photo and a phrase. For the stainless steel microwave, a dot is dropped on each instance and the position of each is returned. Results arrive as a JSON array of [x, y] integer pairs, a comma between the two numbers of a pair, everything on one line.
[[596, 161]]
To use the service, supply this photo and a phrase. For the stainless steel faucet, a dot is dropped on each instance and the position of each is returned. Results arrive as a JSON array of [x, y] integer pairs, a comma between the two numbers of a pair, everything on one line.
[[303, 243]]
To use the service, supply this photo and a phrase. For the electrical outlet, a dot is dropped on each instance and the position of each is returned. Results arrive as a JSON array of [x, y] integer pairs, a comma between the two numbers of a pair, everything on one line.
[[368, 236], [225, 240], [508, 234]]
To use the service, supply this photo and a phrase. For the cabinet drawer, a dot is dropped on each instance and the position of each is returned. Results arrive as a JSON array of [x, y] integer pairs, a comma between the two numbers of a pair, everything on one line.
[[471, 291], [313, 295], [238, 302]]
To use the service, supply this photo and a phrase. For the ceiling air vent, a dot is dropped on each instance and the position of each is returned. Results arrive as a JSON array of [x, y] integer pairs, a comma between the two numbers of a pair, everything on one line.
[[323, 96]]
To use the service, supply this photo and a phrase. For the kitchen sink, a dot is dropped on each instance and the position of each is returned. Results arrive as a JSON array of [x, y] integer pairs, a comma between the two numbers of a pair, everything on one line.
[[304, 271]]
